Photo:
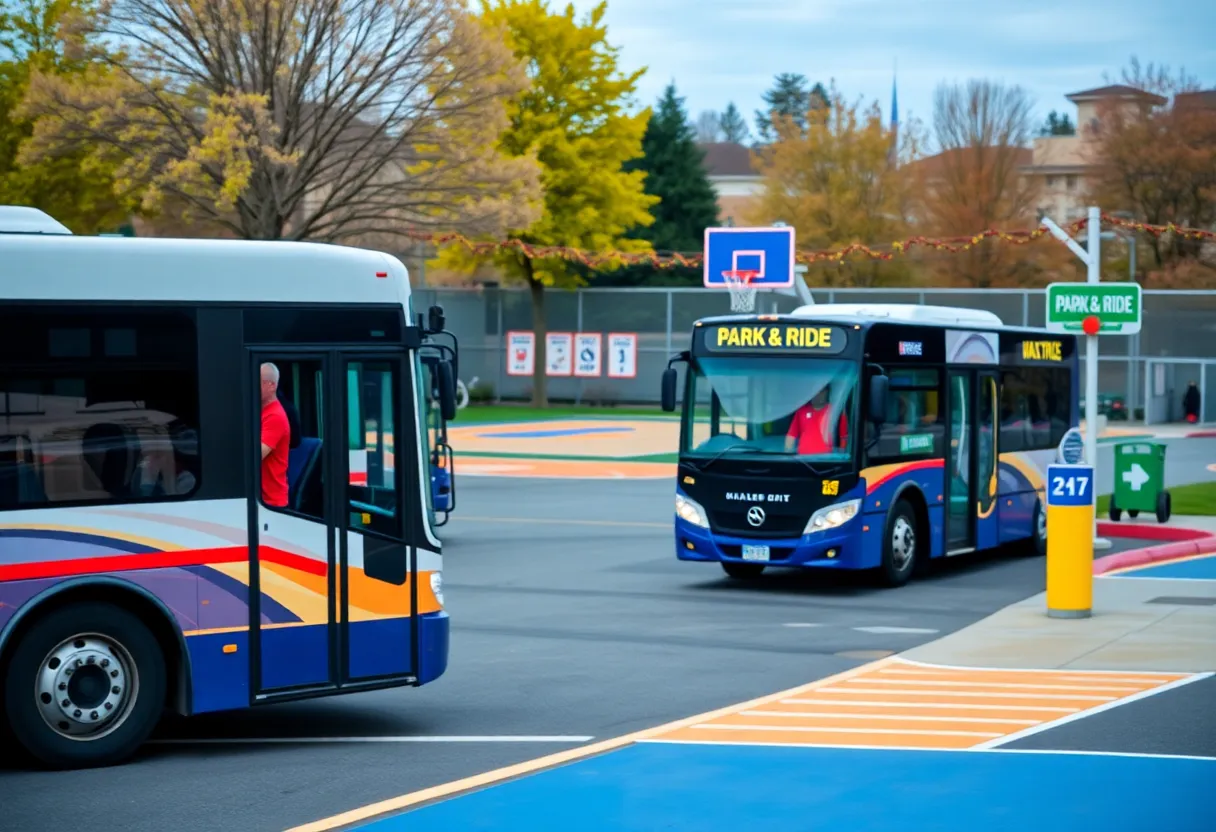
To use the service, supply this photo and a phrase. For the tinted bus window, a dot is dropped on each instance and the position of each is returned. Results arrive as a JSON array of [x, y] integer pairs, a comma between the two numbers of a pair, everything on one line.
[[1035, 407], [97, 407], [913, 427]]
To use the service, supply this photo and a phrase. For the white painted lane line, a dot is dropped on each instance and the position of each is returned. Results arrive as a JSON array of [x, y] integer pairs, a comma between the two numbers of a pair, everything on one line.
[[925, 733], [901, 717], [801, 624], [311, 740], [1016, 685], [1046, 726], [1073, 697], [928, 750], [896, 630], [951, 705], [1114, 680]]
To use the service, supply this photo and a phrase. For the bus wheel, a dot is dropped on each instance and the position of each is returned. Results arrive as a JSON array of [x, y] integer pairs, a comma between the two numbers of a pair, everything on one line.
[[901, 540], [743, 571], [85, 686], [1038, 539]]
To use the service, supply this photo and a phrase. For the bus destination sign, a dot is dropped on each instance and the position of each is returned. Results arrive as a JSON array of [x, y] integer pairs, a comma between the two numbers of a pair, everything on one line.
[[776, 337]]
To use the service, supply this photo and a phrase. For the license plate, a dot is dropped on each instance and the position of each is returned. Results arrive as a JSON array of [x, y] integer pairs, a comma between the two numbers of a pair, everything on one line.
[[755, 553]]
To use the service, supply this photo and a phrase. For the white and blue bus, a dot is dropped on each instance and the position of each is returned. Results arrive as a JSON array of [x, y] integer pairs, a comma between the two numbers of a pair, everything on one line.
[[866, 437], [142, 566]]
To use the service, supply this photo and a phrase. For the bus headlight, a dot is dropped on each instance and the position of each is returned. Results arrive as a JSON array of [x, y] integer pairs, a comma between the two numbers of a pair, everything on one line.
[[829, 517], [437, 586], [691, 512]]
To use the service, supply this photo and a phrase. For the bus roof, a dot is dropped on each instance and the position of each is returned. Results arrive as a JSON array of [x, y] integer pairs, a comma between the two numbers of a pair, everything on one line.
[[901, 312], [865, 315], [65, 267]]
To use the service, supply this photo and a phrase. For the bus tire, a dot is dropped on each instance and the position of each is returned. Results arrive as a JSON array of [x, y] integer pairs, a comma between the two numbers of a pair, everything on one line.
[[743, 571], [85, 686], [1038, 530], [901, 545]]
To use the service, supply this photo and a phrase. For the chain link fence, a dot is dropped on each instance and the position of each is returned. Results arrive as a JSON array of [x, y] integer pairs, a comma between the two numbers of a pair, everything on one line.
[[1178, 333]]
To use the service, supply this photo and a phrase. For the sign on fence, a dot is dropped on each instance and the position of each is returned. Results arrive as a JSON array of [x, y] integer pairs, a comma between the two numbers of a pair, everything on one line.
[[521, 353], [622, 355], [559, 353], [588, 354]]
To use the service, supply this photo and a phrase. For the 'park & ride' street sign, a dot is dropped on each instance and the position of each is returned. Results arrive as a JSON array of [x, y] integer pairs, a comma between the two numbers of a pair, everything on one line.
[[1116, 306]]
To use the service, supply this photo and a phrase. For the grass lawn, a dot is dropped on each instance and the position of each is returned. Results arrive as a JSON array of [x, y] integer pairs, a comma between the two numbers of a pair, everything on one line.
[[1195, 500], [476, 413]]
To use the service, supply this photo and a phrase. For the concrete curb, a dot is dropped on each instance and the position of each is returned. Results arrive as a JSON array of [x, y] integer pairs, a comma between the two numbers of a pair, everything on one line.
[[1201, 434], [1184, 543]]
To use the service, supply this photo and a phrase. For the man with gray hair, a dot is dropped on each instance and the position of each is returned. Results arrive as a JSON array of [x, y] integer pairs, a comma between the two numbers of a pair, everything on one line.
[[276, 440]]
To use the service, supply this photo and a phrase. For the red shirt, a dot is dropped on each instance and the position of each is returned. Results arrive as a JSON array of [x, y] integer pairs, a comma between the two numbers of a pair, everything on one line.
[[808, 428], [276, 435]]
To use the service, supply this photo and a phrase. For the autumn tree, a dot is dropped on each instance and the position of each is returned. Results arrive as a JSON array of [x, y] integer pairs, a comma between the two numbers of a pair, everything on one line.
[[575, 119], [333, 120], [983, 131], [50, 37], [1154, 156], [835, 183]]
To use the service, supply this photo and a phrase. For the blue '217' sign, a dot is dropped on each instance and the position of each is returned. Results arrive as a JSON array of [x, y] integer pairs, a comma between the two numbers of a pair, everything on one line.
[[1070, 485]]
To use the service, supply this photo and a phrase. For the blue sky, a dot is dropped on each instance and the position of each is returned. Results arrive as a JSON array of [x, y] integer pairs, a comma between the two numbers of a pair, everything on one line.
[[718, 50]]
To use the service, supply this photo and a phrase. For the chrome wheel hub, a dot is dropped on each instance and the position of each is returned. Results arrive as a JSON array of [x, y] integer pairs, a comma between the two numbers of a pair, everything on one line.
[[903, 543], [1041, 525], [86, 687]]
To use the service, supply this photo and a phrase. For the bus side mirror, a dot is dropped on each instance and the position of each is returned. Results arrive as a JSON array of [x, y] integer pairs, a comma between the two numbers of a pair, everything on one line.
[[669, 390], [436, 319], [879, 387], [447, 390]]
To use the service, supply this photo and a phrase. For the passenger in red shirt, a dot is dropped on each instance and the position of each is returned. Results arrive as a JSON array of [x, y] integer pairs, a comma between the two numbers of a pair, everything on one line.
[[808, 430], [276, 440]]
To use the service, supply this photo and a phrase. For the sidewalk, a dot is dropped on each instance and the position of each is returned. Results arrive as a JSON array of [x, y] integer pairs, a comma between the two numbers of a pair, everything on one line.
[[1137, 625]]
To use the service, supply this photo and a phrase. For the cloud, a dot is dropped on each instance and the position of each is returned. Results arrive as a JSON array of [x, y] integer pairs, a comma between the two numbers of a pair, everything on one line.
[[719, 51]]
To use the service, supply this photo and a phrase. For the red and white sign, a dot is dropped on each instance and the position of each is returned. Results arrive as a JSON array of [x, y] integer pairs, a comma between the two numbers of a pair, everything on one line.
[[559, 353], [622, 355], [521, 353], [588, 354]]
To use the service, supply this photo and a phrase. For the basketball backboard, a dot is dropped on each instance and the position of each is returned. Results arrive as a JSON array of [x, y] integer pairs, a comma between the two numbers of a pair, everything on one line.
[[766, 253]]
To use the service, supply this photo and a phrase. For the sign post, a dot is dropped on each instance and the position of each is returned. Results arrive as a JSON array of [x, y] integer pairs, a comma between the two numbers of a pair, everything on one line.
[[1091, 307], [1070, 547]]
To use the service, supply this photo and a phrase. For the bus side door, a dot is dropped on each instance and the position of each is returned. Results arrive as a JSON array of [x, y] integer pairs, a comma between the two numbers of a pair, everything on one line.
[[379, 593]]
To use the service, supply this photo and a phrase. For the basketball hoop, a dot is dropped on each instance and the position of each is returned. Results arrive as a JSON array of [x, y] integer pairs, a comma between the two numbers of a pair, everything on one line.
[[742, 292]]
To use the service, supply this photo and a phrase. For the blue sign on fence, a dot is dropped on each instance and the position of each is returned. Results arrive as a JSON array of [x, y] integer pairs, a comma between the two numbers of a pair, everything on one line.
[[1070, 485]]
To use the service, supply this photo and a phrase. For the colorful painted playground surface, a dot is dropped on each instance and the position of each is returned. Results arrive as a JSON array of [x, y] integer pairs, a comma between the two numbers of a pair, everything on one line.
[[596, 448]]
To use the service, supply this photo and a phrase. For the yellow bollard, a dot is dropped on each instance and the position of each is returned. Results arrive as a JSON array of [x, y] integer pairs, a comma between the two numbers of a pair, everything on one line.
[[1070, 541]]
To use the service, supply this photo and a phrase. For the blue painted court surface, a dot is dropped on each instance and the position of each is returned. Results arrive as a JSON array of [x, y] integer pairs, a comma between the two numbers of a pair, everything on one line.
[[546, 434], [656, 786], [1200, 569]]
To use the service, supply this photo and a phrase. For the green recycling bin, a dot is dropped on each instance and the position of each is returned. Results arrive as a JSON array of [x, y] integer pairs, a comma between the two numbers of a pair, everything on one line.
[[1140, 481]]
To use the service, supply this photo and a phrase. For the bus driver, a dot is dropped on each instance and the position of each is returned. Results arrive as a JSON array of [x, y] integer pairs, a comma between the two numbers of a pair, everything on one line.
[[809, 430]]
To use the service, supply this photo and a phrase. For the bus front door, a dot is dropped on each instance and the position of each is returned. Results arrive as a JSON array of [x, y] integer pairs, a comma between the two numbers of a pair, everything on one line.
[[378, 594], [971, 465], [330, 592]]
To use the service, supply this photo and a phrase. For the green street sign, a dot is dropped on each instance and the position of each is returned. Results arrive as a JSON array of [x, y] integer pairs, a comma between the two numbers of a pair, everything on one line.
[[1117, 306]]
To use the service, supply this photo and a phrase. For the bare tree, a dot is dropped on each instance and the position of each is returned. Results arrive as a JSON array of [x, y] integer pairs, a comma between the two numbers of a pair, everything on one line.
[[709, 127], [983, 131], [303, 119]]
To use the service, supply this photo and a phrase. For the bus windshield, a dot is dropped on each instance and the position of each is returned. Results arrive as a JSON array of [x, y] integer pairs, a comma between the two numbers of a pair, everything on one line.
[[796, 407]]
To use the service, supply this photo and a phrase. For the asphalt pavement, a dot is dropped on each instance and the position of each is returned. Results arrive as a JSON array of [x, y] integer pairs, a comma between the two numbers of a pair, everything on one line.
[[572, 620]]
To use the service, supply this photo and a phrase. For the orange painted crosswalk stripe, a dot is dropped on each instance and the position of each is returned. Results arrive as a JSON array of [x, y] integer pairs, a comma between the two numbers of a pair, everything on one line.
[[900, 704]]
